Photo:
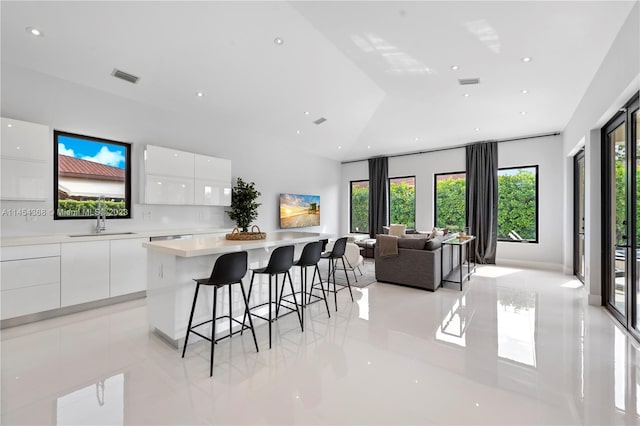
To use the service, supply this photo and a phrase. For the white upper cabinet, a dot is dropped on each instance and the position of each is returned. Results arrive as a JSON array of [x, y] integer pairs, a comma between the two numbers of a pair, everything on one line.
[[183, 178], [212, 181], [24, 160], [168, 162]]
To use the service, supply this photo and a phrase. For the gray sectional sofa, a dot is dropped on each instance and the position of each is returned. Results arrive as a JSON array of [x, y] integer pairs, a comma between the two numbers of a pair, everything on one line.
[[418, 262]]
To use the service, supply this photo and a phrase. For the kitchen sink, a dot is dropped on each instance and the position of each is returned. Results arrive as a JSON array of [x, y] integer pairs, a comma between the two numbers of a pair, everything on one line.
[[102, 234]]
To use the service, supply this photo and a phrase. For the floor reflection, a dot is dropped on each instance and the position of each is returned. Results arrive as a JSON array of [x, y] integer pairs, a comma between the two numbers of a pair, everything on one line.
[[455, 323], [101, 403], [516, 313]]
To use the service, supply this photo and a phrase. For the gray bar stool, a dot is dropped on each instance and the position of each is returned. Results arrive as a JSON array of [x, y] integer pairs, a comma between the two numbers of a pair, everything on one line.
[[229, 269], [280, 262]]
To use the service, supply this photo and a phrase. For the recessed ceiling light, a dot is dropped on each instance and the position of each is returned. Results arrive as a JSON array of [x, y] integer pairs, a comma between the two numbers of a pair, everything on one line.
[[9, 125], [477, 129], [199, 94], [298, 131], [523, 112], [454, 67], [527, 59], [306, 113], [339, 147], [17, 147], [278, 41], [524, 91], [35, 32], [368, 146], [417, 139], [466, 95]]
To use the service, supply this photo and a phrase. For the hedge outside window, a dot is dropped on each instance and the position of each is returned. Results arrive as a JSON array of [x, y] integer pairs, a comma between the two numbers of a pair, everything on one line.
[[450, 205], [87, 169], [360, 206], [402, 201], [518, 204]]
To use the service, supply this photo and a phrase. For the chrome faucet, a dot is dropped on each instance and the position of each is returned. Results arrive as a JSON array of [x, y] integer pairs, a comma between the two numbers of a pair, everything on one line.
[[101, 215]]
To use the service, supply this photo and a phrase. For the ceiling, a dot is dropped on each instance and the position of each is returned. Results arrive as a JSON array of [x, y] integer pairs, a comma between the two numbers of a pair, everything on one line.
[[379, 72]]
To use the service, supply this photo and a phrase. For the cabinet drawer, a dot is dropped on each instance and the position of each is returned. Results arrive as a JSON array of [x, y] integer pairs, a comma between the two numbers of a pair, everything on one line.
[[30, 272], [29, 300], [29, 252]]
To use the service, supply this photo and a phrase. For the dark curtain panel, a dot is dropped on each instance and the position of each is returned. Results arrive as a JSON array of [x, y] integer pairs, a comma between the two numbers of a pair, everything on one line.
[[482, 199], [378, 176]]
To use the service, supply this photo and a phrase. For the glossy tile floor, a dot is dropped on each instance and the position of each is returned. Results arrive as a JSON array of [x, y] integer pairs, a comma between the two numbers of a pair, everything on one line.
[[515, 347]]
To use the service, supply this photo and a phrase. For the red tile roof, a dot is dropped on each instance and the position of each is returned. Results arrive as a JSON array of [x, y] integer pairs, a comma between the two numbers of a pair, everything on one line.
[[75, 167]]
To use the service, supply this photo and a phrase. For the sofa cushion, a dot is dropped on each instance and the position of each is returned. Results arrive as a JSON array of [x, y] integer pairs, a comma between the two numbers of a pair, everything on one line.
[[433, 244], [412, 243]]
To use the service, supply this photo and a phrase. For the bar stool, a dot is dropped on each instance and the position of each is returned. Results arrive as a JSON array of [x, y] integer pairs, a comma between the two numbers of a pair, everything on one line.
[[310, 257], [280, 262], [229, 269], [337, 253]]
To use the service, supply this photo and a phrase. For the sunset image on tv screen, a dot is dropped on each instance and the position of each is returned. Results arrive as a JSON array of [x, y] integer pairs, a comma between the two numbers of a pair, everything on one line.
[[298, 211]]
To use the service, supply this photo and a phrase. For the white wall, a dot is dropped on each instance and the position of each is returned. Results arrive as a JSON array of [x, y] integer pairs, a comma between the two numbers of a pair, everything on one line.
[[617, 79], [545, 152], [67, 106]]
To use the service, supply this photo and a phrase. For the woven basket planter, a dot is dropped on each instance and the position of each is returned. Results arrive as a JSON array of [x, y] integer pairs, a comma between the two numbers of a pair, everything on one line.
[[247, 236]]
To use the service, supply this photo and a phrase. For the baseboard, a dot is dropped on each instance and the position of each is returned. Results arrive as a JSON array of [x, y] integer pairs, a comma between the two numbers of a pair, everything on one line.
[[39, 316], [531, 265]]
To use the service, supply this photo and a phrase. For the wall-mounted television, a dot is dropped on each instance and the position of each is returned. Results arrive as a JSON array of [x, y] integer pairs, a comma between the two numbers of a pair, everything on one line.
[[299, 211]]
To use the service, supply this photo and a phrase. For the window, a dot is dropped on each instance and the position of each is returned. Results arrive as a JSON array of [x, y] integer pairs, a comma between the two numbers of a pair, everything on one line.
[[518, 204], [402, 201], [360, 206], [450, 205], [86, 169]]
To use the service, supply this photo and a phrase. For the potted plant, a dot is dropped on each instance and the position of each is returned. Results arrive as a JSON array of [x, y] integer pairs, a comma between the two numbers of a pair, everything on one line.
[[244, 210]]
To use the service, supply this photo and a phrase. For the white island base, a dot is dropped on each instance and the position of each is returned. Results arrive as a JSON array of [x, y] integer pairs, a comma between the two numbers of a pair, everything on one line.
[[173, 264]]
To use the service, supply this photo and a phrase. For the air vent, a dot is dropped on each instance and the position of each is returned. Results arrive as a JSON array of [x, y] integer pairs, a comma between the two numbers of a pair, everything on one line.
[[320, 120], [466, 81], [125, 76]]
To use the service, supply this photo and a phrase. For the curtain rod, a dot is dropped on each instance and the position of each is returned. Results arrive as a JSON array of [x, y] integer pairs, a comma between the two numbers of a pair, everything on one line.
[[454, 147]]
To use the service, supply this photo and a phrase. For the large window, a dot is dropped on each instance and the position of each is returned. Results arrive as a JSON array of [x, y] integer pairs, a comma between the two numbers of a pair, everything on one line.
[[450, 206], [518, 204], [87, 170], [360, 206], [402, 201]]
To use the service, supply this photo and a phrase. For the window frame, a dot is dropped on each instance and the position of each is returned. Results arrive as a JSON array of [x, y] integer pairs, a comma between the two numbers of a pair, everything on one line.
[[435, 194], [415, 186], [351, 230], [127, 182], [537, 213]]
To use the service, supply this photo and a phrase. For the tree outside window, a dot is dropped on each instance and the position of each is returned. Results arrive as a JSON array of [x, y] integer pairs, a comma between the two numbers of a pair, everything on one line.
[[360, 206], [450, 207], [518, 204], [402, 201]]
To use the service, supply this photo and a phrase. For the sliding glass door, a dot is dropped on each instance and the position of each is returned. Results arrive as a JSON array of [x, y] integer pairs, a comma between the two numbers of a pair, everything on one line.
[[621, 214], [578, 211]]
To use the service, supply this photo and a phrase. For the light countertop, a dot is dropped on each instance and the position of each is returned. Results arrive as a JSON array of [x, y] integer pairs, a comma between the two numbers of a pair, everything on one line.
[[108, 235], [218, 245]]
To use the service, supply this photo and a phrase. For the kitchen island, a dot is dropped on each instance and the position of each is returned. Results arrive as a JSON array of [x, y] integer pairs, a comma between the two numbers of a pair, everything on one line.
[[172, 265]]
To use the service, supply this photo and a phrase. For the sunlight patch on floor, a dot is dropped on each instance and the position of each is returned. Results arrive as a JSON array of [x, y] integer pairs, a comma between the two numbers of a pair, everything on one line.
[[494, 271]]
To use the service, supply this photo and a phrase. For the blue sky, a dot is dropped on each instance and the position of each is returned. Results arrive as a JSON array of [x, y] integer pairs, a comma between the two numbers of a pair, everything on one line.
[[298, 201], [98, 152]]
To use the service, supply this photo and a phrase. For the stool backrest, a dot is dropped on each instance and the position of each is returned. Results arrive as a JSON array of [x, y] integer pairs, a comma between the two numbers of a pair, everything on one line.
[[281, 260], [229, 268], [339, 247], [311, 254]]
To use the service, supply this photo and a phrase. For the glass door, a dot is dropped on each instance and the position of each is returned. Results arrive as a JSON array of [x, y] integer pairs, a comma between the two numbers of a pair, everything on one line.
[[621, 192], [618, 235], [578, 211]]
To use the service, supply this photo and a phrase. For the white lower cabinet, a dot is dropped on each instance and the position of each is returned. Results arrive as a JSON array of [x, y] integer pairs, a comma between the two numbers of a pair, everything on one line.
[[128, 266], [84, 272], [30, 285]]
